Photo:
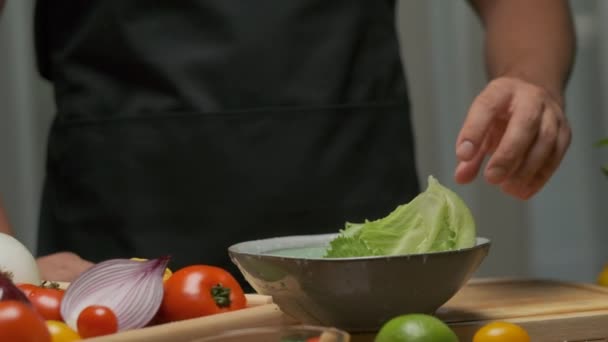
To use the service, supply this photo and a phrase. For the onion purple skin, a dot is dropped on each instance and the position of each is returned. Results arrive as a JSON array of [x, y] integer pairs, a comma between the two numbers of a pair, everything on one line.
[[8, 290]]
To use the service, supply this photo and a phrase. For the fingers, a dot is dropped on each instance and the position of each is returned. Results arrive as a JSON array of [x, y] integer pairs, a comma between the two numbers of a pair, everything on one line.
[[543, 159], [544, 174], [523, 130], [492, 101], [466, 171], [62, 266], [524, 123], [542, 150]]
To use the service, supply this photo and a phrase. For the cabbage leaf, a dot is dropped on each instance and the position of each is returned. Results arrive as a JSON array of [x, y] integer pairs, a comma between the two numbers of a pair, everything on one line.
[[436, 220]]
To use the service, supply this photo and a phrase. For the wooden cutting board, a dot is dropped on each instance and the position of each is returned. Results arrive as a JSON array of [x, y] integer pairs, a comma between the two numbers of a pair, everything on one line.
[[260, 312], [548, 310]]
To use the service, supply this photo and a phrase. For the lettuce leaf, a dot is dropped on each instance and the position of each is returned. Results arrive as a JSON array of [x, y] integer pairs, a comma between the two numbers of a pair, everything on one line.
[[346, 247], [435, 220]]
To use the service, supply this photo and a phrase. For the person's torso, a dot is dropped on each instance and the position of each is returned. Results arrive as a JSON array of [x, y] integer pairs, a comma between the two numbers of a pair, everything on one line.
[[186, 126], [218, 55]]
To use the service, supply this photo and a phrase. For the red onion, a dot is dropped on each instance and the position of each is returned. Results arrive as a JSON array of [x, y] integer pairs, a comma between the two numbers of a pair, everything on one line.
[[8, 290], [133, 290]]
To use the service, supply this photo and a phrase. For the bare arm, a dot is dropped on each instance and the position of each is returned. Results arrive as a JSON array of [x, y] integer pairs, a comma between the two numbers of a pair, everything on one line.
[[4, 226], [61, 266], [518, 120], [532, 40]]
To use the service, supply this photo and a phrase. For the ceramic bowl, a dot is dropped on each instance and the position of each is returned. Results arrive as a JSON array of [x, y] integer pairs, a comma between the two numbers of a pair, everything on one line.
[[354, 294]]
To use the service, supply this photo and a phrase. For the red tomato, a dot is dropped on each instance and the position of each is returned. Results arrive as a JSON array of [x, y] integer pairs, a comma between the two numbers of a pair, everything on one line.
[[47, 302], [200, 290], [27, 288], [96, 320], [20, 323], [45, 299], [313, 339]]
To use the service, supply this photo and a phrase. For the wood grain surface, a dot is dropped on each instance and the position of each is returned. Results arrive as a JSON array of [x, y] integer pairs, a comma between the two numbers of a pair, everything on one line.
[[548, 310]]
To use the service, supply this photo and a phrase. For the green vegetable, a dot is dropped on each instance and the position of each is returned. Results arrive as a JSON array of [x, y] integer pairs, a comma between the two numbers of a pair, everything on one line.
[[415, 328], [435, 220]]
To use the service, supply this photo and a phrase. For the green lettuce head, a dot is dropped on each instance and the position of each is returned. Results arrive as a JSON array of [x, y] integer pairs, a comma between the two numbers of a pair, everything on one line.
[[435, 220]]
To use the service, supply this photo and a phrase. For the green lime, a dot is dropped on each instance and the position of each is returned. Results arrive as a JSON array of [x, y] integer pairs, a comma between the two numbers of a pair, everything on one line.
[[416, 328]]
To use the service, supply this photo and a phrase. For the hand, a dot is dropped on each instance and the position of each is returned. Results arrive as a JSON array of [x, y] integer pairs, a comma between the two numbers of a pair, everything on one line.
[[63, 266], [522, 127]]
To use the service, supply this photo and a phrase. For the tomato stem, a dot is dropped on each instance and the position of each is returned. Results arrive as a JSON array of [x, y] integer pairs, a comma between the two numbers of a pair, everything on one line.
[[221, 295], [50, 284]]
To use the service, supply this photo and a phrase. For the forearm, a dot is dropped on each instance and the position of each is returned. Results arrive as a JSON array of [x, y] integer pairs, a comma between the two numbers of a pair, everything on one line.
[[530, 39], [4, 226]]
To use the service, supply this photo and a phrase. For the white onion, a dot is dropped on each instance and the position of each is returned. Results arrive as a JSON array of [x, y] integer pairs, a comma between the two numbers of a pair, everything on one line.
[[17, 260]]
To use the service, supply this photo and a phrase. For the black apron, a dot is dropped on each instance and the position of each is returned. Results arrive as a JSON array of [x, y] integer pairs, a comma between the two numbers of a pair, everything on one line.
[[186, 126]]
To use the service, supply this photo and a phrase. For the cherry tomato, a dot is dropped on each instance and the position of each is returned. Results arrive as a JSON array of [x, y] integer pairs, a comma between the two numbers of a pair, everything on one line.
[[501, 332], [20, 323], [313, 339], [200, 290], [96, 320], [27, 288], [61, 332], [46, 299], [602, 278]]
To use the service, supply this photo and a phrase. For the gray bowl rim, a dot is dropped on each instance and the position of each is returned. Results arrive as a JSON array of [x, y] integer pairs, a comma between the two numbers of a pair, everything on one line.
[[480, 243]]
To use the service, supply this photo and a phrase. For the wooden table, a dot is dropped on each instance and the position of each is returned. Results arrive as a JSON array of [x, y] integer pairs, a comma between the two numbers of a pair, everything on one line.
[[548, 310]]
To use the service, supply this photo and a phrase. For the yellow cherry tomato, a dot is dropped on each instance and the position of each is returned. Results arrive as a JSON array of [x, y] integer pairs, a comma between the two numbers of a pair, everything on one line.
[[501, 332], [167, 273], [602, 278], [61, 332]]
